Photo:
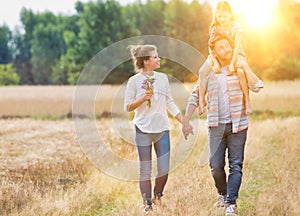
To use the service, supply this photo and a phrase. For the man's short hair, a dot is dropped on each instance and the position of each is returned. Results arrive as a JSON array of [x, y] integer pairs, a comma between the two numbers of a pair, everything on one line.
[[217, 37]]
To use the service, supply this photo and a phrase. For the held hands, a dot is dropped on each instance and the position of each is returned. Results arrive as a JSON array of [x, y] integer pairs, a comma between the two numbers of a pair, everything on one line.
[[186, 128]]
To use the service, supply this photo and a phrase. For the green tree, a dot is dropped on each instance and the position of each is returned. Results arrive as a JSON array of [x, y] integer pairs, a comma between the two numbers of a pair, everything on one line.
[[22, 47], [5, 38], [47, 47], [188, 22], [70, 61], [147, 18], [54, 49], [100, 26], [40, 46], [69, 64], [284, 68], [8, 75], [101, 23]]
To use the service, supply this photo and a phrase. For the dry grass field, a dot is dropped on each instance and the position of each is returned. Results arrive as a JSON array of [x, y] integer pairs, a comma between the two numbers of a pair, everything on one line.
[[43, 170], [57, 100]]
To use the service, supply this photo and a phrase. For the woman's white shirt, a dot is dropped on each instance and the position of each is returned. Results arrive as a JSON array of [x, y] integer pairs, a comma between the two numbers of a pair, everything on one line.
[[152, 119]]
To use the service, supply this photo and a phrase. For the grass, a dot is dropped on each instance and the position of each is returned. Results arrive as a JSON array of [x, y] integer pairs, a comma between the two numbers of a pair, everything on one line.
[[20, 186], [65, 183], [44, 172]]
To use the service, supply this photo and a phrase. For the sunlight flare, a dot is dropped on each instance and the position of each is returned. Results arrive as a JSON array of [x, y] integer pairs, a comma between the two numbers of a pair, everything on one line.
[[255, 13]]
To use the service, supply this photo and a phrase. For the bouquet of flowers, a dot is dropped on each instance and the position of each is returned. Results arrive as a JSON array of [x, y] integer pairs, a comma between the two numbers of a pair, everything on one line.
[[147, 84]]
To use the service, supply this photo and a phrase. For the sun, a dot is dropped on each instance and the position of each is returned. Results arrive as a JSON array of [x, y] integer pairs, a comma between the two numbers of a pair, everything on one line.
[[255, 13]]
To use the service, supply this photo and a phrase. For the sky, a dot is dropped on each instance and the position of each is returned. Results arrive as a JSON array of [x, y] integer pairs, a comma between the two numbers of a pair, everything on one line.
[[10, 13]]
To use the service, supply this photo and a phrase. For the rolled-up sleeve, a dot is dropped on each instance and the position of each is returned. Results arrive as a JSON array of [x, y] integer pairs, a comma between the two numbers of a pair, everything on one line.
[[194, 97]]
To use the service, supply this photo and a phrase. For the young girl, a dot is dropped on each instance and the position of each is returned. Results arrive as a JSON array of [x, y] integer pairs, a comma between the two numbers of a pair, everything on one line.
[[148, 95], [225, 23]]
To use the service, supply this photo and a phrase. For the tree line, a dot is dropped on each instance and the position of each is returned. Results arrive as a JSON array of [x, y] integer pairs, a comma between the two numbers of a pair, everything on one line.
[[54, 49]]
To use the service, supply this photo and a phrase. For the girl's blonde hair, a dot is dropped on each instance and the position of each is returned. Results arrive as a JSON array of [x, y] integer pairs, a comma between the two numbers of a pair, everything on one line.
[[139, 53], [221, 6]]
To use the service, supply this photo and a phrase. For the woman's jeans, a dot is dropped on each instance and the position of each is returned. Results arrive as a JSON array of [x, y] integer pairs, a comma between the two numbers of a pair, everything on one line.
[[161, 142], [220, 138]]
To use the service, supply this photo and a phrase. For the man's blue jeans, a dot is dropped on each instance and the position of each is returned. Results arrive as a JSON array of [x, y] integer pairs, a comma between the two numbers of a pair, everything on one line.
[[161, 142], [221, 138]]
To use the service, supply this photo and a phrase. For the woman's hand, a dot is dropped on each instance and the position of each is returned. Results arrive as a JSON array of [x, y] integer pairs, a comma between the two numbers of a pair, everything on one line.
[[186, 128], [138, 102], [147, 96]]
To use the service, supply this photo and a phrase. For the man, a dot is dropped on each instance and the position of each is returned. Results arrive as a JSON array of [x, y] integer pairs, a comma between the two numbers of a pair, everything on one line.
[[227, 124]]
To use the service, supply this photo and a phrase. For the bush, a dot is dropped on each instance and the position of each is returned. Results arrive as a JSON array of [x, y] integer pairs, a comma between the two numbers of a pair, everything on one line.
[[284, 68], [73, 77], [8, 75]]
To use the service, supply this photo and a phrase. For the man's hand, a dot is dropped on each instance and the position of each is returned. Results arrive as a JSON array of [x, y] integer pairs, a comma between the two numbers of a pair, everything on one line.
[[186, 128]]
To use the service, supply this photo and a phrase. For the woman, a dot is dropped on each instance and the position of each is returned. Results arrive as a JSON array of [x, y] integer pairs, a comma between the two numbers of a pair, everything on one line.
[[148, 95]]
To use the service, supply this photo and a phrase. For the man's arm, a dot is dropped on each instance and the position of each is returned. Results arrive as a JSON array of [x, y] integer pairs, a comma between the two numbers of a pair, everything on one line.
[[190, 109], [193, 101], [186, 126]]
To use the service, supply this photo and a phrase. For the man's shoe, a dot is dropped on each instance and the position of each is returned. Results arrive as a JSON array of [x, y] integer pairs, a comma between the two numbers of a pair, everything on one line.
[[231, 210], [221, 202]]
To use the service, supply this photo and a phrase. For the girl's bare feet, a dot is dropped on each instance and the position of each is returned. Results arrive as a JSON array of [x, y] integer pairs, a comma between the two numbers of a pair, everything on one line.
[[248, 109]]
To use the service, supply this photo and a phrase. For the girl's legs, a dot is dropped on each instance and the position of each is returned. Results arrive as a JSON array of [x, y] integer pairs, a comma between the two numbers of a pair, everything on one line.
[[202, 80], [245, 90], [254, 83]]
